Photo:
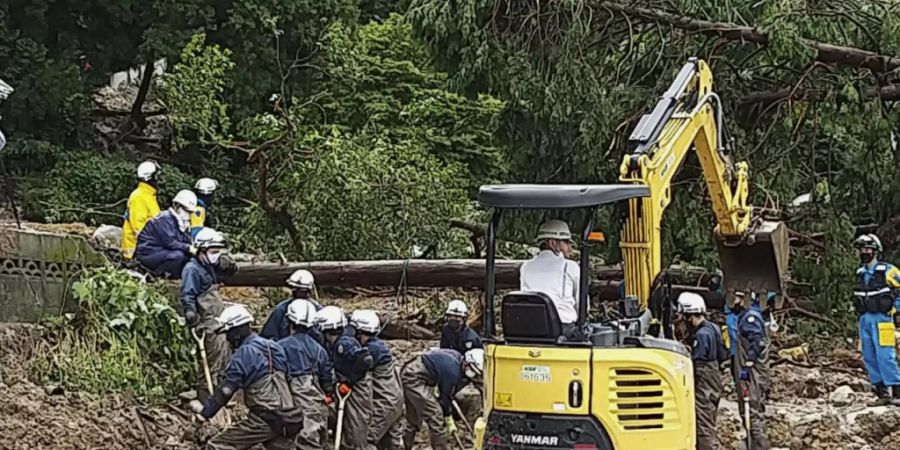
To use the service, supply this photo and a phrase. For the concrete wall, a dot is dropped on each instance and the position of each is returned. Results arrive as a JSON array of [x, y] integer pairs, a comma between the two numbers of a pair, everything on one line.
[[36, 272]]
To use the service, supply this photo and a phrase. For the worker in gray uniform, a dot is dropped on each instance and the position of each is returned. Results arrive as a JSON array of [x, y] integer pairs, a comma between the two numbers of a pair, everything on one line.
[[752, 368], [385, 427], [450, 372], [707, 352]]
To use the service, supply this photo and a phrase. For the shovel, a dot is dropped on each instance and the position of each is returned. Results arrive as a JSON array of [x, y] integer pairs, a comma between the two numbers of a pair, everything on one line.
[[462, 416], [209, 384], [747, 412], [342, 401]]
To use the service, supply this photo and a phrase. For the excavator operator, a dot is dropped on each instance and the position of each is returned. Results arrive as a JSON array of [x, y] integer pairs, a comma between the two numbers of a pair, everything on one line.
[[552, 272]]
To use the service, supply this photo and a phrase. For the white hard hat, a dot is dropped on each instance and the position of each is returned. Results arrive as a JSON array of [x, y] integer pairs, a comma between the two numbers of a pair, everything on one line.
[[554, 229], [206, 186], [365, 320], [233, 316], [869, 241], [187, 199], [148, 170], [209, 238], [457, 308], [302, 312], [691, 303], [302, 279], [331, 318], [474, 363]]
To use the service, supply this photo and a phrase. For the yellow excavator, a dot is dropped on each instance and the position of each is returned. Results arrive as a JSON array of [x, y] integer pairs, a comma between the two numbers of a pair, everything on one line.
[[622, 383]]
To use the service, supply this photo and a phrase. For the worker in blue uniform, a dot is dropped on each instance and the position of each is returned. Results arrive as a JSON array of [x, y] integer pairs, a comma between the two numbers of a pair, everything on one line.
[[385, 427], [456, 334], [259, 367], [450, 372], [707, 353], [752, 367], [164, 244], [311, 374], [877, 303], [201, 216], [277, 326], [352, 363]]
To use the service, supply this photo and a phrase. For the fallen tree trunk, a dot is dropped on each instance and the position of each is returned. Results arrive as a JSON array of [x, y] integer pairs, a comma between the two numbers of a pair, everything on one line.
[[464, 273]]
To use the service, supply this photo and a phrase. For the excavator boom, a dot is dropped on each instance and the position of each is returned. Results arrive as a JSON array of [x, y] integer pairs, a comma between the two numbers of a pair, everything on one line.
[[753, 252]]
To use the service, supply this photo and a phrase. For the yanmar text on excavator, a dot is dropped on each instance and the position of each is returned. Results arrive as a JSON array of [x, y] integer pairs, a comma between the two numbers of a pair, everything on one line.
[[621, 382]]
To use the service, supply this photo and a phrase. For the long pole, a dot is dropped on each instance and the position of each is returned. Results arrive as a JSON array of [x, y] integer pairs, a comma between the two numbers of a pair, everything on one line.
[[9, 191]]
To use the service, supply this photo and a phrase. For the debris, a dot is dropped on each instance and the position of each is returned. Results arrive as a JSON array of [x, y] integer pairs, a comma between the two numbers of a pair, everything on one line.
[[108, 236], [842, 396], [799, 353]]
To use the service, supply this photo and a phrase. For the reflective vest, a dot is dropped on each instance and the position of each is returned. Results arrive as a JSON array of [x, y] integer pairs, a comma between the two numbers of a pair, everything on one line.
[[874, 296], [198, 218]]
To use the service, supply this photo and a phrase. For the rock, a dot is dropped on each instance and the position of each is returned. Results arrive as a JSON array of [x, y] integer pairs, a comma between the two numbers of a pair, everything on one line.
[[52, 389], [842, 396], [108, 235]]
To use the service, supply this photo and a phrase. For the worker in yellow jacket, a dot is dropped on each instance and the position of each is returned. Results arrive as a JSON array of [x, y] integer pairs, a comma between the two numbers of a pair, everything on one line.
[[142, 206]]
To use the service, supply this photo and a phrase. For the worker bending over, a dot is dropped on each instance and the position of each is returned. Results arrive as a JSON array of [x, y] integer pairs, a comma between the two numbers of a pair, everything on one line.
[[385, 428], [311, 375], [752, 368], [201, 303], [260, 368], [302, 285], [201, 218], [352, 362], [450, 372], [456, 334], [142, 206], [552, 273], [164, 245], [707, 352], [874, 299]]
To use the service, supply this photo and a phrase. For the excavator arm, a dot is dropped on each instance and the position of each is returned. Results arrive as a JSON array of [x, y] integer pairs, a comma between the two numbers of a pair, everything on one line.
[[689, 116]]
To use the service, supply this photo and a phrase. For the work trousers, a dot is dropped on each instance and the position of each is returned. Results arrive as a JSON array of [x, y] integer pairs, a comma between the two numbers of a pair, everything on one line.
[[218, 352], [247, 433], [759, 437], [308, 397], [876, 335], [421, 405], [385, 426], [707, 392], [357, 409]]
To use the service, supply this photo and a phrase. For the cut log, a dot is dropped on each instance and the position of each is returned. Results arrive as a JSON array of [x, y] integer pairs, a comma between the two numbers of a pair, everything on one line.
[[464, 273], [401, 329]]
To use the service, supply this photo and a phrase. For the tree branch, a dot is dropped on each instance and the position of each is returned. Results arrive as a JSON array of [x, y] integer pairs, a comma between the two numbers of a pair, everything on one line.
[[889, 92], [826, 53]]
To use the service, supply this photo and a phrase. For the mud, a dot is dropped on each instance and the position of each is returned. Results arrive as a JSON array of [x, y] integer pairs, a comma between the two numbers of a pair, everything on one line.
[[804, 412]]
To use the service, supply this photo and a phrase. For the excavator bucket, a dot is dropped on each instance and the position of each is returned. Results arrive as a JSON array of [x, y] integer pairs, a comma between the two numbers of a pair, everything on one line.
[[759, 262]]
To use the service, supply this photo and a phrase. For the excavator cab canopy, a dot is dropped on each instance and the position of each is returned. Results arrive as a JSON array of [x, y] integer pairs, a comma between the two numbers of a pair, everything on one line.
[[549, 196]]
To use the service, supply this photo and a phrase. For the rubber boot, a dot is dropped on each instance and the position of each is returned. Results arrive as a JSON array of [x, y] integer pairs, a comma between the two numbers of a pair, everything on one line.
[[896, 395], [883, 395]]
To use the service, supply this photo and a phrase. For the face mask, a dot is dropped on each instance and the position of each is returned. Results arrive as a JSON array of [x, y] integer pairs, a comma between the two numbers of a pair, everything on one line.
[[213, 258], [866, 258], [184, 215], [455, 324]]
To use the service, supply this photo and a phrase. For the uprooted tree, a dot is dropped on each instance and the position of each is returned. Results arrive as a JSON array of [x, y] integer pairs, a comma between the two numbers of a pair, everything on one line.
[[344, 132]]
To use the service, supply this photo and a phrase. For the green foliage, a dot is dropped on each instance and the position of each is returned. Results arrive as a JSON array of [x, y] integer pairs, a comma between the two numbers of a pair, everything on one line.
[[193, 93], [92, 188], [379, 159], [126, 336]]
